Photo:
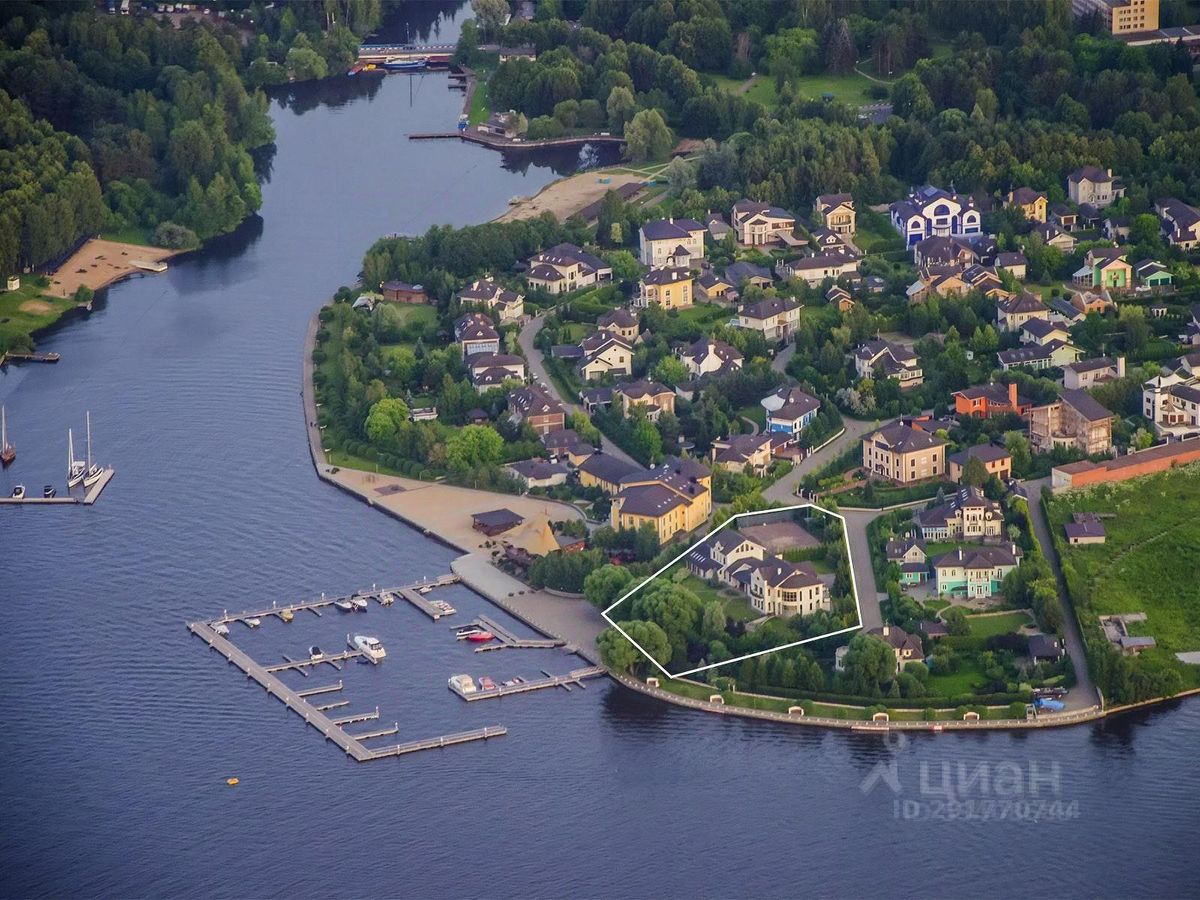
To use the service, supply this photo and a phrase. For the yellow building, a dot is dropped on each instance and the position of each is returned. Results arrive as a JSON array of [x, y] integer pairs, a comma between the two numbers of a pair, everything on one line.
[[675, 497], [1121, 16], [669, 287], [1032, 203]]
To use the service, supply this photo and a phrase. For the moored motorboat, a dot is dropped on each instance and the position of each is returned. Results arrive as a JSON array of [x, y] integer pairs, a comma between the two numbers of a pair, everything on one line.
[[252, 622], [315, 652], [286, 615], [396, 64], [445, 607], [370, 647], [464, 684], [344, 605], [480, 637], [222, 629], [49, 491], [359, 604], [386, 598], [18, 492], [486, 683]]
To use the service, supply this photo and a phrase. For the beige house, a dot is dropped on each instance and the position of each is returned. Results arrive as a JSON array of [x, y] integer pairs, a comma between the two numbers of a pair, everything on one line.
[[813, 270], [621, 322], [507, 306], [673, 496], [836, 212], [1088, 373], [710, 357], [968, 515], [735, 453], [1032, 203], [759, 224], [903, 454], [654, 397], [1094, 186], [1075, 420], [774, 318], [671, 242], [566, 267], [888, 360], [1013, 312], [605, 353], [782, 588], [669, 287]]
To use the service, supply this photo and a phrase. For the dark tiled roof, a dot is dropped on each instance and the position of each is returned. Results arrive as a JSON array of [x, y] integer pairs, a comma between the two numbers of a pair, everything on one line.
[[903, 439], [670, 229], [1086, 405], [609, 468]]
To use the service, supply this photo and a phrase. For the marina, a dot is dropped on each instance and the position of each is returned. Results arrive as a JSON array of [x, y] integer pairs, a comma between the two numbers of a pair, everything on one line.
[[574, 678], [379, 595], [90, 495], [332, 729]]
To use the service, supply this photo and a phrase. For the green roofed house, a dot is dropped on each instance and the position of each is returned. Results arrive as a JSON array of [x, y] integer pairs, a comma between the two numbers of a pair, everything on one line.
[[974, 571]]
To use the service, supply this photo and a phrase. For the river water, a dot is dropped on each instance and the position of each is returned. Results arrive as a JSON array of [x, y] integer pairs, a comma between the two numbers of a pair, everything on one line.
[[120, 729]]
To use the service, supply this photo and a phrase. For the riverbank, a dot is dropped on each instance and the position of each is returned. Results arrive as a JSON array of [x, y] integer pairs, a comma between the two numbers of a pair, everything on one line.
[[100, 263], [568, 196]]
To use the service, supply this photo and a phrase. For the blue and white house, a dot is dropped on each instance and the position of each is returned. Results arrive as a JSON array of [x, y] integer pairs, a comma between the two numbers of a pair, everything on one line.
[[789, 410], [929, 211]]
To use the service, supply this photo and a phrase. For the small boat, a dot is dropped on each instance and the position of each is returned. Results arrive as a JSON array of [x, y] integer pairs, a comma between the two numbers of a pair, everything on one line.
[[464, 684], [93, 471], [315, 652], [370, 647], [396, 64], [252, 622], [7, 451], [286, 615], [425, 589], [445, 607], [344, 605], [75, 467], [480, 637], [18, 492], [386, 598], [513, 682], [48, 491], [359, 603], [466, 633], [222, 629], [486, 684]]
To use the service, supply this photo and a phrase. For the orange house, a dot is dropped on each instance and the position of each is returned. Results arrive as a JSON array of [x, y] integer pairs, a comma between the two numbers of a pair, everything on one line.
[[987, 400]]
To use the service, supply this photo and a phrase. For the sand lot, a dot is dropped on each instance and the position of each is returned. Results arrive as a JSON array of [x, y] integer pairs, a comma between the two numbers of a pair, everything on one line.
[[567, 196], [99, 263]]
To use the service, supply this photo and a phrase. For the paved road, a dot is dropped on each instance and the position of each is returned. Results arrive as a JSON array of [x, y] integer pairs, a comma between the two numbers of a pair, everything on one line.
[[784, 490], [860, 562], [1084, 694], [537, 369], [779, 363]]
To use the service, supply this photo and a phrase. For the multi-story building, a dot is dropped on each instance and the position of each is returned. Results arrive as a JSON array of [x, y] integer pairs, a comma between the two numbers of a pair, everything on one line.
[[737, 452], [903, 454], [812, 270], [1076, 420], [974, 571], [1032, 203], [836, 212], [1094, 186], [671, 242], [888, 360], [1013, 312], [669, 287], [1088, 373], [1120, 16], [968, 515], [1172, 402], [928, 211], [655, 398], [604, 353], [566, 267], [774, 586], [538, 407], [774, 318], [710, 357], [674, 496], [996, 460], [507, 306], [985, 401], [476, 334], [621, 322], [491, 369], [1180, 222], [759, 224], [789, 410]]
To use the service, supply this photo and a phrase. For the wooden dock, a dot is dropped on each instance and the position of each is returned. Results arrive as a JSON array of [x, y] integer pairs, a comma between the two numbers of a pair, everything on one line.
[[414, 597], [89, 496], [351, 745], [571, 679], [25, 356]]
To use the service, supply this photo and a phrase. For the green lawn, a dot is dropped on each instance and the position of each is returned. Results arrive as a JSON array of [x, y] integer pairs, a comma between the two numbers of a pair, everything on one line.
[[27, 310], [481, 107], [735, 605], [702, 314], [987, 626], [851, 89], [763, 90], [966, 680], [1148, 562], [574, 332], [755, 413], [130, 235]]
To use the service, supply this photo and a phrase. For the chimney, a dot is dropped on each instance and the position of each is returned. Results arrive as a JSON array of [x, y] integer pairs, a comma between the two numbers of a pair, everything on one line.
[[1120, 367], [1012, 396], [1109, 171], [887, 630]]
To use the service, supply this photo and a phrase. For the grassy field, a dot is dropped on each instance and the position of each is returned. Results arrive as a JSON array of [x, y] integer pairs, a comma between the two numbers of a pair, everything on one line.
[[27, 310], [966, 680], [755, 413], [1148, 562], [481, 107], [735, 606], [130, 235], [762, 90], [987, 626], [703, 314]]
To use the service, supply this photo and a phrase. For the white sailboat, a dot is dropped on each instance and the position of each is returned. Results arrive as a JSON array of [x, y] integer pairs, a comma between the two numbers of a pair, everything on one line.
[[75, 467], [7, 451], [93, 471]]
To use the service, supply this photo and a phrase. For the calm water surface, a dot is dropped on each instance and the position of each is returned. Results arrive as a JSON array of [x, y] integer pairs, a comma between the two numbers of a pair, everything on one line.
[[120, 729]]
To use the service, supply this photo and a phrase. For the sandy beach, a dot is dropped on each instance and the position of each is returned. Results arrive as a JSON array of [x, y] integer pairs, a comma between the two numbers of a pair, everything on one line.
[[567, 196], [99, 263]]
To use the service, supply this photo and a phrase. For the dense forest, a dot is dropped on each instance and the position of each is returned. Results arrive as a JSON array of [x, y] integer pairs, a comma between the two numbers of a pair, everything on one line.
[[1018, 94]]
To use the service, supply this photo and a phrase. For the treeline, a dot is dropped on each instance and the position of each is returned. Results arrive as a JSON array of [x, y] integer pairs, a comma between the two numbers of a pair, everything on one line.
[[301, 40], [160, 120]]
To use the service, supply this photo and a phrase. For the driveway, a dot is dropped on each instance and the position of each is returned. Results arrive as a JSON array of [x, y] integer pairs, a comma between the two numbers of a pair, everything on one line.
[[784, 490], [537, 369], [1084, 694], [860, 562]]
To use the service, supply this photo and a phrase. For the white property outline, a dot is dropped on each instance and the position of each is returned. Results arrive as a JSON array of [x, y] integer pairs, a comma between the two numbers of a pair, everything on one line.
[[759, 512]]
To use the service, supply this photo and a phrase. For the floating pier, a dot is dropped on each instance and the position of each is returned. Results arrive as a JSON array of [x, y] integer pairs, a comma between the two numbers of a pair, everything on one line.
[[25, 356], [505, 639], [571, 679], [432, 610], [331, 658], [89, 496], [316, 606]]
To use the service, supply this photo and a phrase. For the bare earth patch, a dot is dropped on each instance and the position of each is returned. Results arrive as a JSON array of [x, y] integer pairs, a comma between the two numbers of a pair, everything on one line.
[[567, 196], [36, 307], [98, 263]]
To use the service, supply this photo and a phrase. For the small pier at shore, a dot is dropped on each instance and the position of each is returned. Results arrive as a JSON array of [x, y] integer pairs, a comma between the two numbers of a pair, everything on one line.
[[25, 356], [90, 495], [506, 639], [324, 707], [572, 679]]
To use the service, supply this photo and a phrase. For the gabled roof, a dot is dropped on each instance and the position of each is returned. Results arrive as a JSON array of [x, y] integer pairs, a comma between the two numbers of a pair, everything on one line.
[[1089, 173], [705, 347], [670, 229], [1024, 302], [984, 452], [739, 272], [904, 439], [826, 202], [475, 327], [772, 306], [666, 275], [1086, 405], [618, 318], [979, 557], [533, 401], [635, 390], [783, 575], [609, 468]]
